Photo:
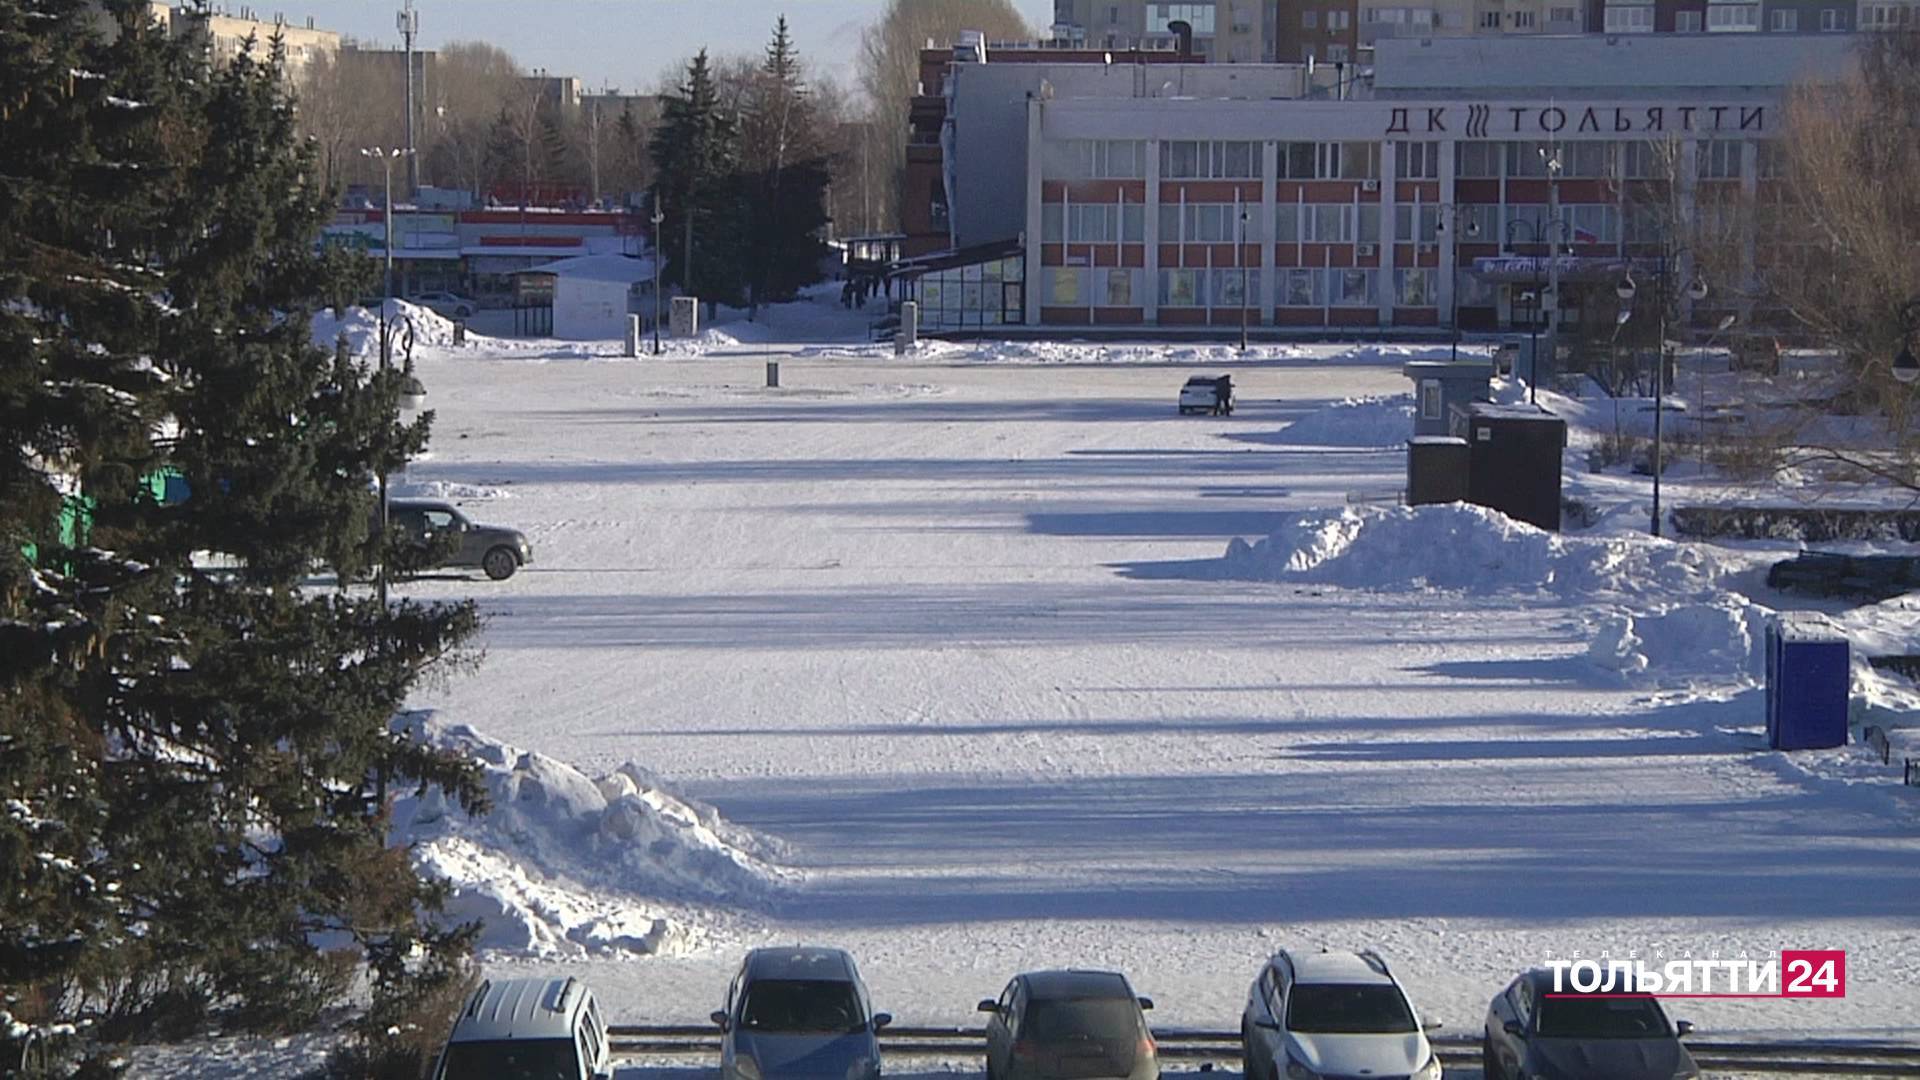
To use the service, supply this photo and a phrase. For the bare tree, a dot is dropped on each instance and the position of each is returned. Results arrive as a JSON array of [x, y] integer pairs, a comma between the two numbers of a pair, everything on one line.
[[1840, 244], [890, 69], [340, 109], [472, 82]]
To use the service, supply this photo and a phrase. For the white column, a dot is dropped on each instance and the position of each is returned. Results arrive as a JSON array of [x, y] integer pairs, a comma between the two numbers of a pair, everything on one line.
[[1036, 274], [1152, 271], [1388, 156], [1450, 217], [1269, 274], [1749, 194]]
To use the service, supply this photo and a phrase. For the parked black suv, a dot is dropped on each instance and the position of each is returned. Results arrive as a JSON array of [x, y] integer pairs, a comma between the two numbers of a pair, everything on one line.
[[428, 527]]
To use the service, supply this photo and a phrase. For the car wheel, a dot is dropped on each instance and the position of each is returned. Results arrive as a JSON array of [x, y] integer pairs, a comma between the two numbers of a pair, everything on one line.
[[1489, 1062], [1246, 1052], [500, 564]]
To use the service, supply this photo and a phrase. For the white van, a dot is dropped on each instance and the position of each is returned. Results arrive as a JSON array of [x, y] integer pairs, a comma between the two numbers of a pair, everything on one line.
[[527, 1029]]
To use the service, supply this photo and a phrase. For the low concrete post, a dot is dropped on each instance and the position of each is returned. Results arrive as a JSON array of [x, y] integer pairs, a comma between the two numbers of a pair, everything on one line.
[[633, 336], [909, 332], [684, 322], [773, 373]]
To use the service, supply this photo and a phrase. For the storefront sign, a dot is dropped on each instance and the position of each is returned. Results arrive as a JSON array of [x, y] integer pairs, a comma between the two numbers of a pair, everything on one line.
[[1514, 269], [1497, 121]]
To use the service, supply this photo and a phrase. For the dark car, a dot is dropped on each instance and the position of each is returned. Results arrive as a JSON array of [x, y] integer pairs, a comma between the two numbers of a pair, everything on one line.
[[1070, 1025], [437, 534], [1207, 394], [799, 1013], [1535, 1031]]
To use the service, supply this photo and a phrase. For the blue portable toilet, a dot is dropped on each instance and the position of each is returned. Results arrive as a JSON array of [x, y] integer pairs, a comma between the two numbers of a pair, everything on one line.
[[1808, 677]]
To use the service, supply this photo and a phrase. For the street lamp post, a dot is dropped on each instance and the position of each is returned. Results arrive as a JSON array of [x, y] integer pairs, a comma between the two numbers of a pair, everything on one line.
[[1240, 255], [1663, 274], [658, 217], [1451, 212], [1537, 235], [1905, 367], [411, 390]]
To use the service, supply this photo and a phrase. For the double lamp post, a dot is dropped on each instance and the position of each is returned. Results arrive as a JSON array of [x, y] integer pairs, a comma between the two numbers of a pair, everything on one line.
[[413, 393]]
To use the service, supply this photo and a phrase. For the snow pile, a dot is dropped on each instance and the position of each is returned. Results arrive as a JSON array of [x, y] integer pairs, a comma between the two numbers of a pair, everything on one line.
[[565, 864], [1724, 636], [362, 328], [1471, 548], [730, 336], [447, 489], [1362, 422]]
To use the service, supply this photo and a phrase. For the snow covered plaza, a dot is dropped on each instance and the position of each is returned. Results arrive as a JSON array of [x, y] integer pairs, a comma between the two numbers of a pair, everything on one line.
[[956, 652]]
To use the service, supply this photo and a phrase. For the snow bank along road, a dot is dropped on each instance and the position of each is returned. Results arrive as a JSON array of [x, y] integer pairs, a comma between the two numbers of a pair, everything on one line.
[[934, 630]]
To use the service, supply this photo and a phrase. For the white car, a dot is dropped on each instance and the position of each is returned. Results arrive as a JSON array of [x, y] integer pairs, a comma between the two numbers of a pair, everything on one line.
[[547, 1028], [1207, 394], [1332, 1014], [447, 304]]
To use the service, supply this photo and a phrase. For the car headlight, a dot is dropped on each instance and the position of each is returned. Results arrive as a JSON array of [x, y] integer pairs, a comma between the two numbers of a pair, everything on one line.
[[748, 1068], [1297, 1071], [1431, 1070]]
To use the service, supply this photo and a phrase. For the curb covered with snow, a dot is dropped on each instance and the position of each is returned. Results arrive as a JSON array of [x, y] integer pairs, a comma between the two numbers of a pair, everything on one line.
[[566, 864]]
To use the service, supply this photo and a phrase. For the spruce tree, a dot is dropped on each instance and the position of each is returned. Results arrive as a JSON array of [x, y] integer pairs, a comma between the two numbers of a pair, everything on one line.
[[695, 154], [193, 763], [783, 178]]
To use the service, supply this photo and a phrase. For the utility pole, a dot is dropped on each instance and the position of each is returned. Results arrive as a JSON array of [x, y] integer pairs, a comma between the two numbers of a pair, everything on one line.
[[409, 23]]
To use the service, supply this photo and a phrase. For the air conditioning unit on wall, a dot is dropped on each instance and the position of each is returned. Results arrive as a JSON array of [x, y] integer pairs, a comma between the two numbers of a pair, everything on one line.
[[1366, 250], [1369, 185]]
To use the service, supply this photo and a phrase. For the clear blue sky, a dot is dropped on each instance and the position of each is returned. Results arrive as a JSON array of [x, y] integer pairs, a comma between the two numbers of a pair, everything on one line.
[[623, 43]]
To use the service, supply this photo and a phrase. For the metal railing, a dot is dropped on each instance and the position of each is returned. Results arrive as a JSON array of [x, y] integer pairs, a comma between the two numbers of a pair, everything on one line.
[[1203, 1049]]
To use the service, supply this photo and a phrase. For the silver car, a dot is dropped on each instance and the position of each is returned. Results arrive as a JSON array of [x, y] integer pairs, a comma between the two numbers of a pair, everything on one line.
[[800, 1013], [1070, 1025]]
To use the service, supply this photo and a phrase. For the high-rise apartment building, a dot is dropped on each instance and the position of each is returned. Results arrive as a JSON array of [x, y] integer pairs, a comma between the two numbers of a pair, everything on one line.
[[1224, 31]]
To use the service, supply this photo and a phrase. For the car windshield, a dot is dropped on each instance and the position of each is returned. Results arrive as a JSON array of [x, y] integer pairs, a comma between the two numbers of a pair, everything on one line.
[[1055, 1019], [512, 1059], [1333, 1009], [1601, 1018], [801, 1005]]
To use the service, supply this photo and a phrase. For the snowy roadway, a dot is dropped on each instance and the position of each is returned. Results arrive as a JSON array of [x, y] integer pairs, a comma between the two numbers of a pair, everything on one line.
[[929, 624]]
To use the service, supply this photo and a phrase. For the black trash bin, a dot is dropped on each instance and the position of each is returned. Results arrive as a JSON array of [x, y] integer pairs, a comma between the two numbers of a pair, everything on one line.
[[1437, 469], [1515, 453]]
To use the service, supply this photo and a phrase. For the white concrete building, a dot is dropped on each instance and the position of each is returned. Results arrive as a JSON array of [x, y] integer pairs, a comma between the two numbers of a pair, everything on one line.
[[1203, 203]]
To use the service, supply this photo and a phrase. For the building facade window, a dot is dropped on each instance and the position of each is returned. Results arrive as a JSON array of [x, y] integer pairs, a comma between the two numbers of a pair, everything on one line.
[[1831, 20], [1477, 160], [1719, 159], [1336, 54], [1352, 287], [1417, 160], [1785, 20], [1303, 288], [1629, 18], [1523, 20], [1184, 160], [1309, 19], [1338, 20], [1689, 22], [1562, 14], [1227, 287], [1207, 223], [1100, 159], [1489, 20], [1183, 288], [1426, 230], [1415, 288], [1732, 18], [1162, 16], [1093, 223]]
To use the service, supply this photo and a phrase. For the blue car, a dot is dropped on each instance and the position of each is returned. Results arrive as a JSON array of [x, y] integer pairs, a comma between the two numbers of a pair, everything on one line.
[[801, 1013]]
